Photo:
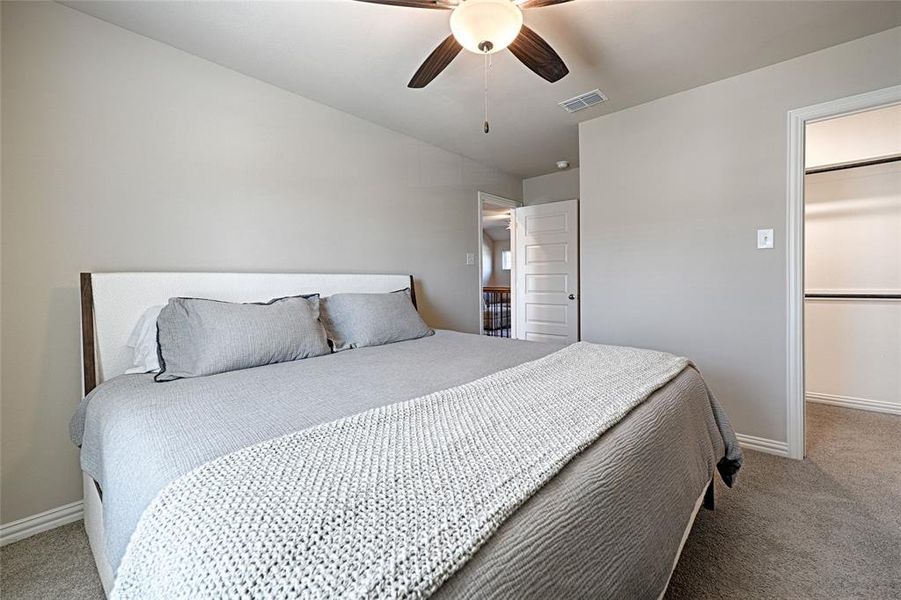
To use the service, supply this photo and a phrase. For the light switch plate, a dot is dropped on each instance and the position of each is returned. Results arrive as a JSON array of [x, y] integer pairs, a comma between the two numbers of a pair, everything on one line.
[[764, 238], [470, 258]]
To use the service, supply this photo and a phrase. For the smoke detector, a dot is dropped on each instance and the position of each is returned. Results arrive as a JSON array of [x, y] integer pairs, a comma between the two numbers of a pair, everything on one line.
[[583, 101], [562, 164]]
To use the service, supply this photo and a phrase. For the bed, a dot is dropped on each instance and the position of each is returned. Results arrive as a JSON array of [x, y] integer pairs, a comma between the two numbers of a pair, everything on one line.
[[610, 523]]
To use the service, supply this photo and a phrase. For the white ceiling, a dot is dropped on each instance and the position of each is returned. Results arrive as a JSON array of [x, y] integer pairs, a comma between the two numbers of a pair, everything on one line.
[[358, 57]]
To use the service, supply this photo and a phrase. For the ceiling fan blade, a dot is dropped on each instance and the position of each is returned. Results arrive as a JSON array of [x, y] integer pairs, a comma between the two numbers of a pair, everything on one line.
[[535, 53], [436, 62], [540, 3], [440, 4]]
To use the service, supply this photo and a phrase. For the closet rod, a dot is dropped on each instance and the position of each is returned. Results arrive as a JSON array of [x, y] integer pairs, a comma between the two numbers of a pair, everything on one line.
[[855, 164], [854, 296]]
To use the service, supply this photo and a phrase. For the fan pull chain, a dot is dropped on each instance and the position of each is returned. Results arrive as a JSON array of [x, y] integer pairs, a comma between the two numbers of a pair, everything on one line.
[[486, 128]]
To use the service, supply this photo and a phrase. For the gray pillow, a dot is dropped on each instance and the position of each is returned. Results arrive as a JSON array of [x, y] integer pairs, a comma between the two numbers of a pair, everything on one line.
[[359, 320], [199, 337]]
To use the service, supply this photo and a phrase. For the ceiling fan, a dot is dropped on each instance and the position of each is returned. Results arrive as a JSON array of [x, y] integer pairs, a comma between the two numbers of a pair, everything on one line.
[[486, 27]]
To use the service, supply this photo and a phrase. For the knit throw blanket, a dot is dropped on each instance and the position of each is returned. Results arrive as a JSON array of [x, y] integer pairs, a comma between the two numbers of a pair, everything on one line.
[[390, 502]]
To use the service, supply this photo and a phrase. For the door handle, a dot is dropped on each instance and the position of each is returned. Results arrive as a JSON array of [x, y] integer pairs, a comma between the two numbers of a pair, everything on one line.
[[572, 296]]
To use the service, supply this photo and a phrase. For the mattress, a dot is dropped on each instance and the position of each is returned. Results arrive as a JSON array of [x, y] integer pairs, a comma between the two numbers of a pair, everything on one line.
[[609, 525]]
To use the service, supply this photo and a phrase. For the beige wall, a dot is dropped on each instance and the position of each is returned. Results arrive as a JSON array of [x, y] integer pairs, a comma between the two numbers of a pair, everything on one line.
[[672, 192], [553, 187], [121, 153]]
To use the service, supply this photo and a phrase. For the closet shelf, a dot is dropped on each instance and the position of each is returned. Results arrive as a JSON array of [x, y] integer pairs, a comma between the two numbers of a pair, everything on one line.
[[827, 296], [854, 164]]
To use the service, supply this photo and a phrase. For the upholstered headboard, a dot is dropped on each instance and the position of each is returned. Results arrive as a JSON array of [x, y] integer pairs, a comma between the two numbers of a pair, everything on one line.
[[112, 303]]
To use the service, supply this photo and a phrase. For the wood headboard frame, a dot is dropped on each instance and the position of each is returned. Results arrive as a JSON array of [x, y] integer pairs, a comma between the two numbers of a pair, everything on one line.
[[88, 354], [101, 291]]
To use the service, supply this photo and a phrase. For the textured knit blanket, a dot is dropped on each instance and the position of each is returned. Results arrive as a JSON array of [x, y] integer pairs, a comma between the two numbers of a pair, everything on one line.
[[390, 502]]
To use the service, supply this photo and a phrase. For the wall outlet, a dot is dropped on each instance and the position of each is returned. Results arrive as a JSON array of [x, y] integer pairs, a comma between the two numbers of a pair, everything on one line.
[[470, 258], [764, 239]]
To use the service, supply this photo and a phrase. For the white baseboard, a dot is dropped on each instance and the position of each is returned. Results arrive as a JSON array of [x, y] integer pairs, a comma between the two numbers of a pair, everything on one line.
[[49, 519], [879, 406], [760, 444]]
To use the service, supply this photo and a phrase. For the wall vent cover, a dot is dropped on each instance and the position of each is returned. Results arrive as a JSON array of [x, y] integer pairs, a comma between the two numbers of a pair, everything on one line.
[[583, 101]]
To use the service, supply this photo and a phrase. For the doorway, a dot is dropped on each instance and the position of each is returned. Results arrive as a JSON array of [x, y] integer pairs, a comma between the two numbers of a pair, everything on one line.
[[852, 261], [496, 265], [843, 287], [546, 255]]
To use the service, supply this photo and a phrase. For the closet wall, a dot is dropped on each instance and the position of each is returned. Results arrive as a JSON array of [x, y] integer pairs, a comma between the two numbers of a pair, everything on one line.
[[853, 245], [487, 258], [499, 276]]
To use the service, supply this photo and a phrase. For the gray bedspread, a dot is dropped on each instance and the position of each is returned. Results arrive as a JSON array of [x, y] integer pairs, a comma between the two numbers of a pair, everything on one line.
[[609, 525]]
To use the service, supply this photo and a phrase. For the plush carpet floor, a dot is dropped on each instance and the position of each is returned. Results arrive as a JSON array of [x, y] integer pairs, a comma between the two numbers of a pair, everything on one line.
[[825, 527]]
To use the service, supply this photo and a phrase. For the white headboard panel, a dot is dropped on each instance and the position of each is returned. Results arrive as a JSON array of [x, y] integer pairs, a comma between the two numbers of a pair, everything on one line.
[[114, 302]]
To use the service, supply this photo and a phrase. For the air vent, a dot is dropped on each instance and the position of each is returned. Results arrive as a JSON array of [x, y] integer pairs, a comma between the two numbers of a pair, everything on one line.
[[583, 101]]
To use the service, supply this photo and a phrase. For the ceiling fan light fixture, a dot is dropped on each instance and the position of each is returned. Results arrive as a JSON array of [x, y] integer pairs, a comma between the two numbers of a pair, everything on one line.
[[486, 26]]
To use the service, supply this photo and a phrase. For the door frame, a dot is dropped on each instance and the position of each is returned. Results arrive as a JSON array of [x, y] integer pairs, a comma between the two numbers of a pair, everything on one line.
[[797, 122], [483, 198]]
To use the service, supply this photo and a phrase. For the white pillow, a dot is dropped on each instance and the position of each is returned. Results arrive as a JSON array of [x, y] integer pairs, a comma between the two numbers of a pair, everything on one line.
[[143, 340]]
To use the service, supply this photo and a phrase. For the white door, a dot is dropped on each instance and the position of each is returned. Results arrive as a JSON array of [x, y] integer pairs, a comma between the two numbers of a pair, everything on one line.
[[546, 257]]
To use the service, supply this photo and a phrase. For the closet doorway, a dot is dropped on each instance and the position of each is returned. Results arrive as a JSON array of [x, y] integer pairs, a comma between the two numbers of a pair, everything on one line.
[[852, 261], [841, 181], [496, 265]]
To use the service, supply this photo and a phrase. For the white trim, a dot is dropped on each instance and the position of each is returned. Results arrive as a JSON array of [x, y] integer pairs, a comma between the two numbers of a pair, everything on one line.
[[880, 406], [498, 200], [49, 519], [797, 121], [752, 442], [795, 285], [483, 198]]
